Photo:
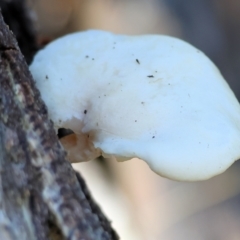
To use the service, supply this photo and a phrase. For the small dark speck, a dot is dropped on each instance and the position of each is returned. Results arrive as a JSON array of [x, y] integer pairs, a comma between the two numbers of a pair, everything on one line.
[[85, 111], [86, 56], [137, 61], [93, 59], [155, 71], [142, 102], [113, 47], [153, 136], [46, 76], [135, 120], [104, 95], [150, 76]]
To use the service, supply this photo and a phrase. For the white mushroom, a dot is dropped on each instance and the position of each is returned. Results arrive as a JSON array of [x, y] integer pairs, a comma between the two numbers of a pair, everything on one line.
[[152, 97]]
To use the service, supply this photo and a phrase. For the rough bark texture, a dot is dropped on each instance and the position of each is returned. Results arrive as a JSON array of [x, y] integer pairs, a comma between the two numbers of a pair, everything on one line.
[[41, 197], [18, 18]]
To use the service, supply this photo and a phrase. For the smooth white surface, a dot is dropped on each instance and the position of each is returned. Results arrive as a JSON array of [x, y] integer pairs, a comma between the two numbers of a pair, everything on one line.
[[152, 97]]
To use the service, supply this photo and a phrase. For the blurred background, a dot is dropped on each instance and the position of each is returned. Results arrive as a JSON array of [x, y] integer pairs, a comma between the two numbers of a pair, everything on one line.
[[140, 204]]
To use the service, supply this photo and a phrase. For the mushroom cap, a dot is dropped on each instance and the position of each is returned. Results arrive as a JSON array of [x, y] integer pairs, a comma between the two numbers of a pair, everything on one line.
[[153, 97]]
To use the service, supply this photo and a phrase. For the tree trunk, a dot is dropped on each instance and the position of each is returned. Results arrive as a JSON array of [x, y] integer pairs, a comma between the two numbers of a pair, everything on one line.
[[41, 197]]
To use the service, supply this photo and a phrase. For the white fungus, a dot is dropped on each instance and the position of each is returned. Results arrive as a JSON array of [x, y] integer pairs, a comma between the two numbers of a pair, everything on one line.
[[152, 97]]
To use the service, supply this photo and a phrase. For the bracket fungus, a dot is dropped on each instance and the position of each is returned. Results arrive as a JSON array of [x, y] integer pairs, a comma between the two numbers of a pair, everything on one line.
[[152, 97]]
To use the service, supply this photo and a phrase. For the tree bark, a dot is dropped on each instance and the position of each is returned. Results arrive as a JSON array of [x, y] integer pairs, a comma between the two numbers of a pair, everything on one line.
[[17, 17], [41, 197]]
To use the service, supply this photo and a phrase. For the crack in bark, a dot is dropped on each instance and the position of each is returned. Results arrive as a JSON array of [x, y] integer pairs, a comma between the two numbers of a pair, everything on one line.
[[3, 49]]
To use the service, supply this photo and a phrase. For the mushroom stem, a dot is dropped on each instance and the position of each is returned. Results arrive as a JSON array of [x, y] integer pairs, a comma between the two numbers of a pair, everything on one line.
[[79, 148]]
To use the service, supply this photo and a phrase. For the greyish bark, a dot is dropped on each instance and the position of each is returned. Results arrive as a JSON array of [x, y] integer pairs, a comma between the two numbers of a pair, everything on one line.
[[41, 197]]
